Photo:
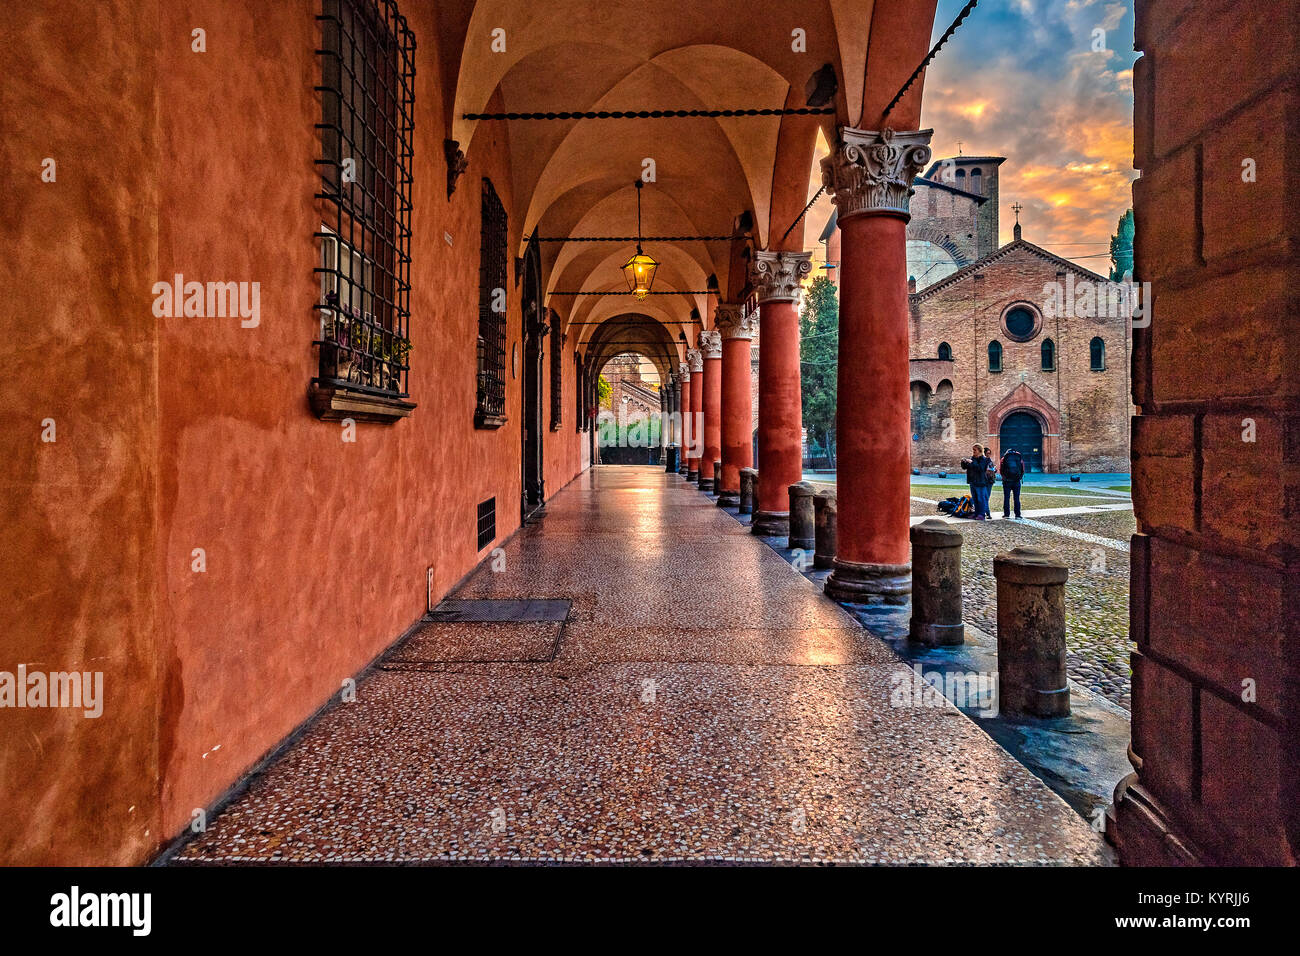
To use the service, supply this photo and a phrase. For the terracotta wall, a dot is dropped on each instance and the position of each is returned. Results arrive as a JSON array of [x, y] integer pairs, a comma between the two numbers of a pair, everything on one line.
[[80, 529], [1092, 406], [184, 433], [1216, 463]]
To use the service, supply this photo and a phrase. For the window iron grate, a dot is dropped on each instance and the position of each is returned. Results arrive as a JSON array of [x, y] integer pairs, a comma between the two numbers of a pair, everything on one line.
[[368, 106]]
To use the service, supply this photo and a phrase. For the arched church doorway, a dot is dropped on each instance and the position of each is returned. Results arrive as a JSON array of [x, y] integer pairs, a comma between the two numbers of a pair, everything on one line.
[[1022, 431]]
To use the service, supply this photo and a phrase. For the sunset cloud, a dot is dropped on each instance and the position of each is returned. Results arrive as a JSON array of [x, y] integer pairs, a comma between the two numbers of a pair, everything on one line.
[[1023, 79]]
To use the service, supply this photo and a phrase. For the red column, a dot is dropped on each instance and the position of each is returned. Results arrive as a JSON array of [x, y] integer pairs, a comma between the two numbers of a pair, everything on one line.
[[777, 276], [684, 383], [870, 176], [696, 430], [737, 330], [711, 347]]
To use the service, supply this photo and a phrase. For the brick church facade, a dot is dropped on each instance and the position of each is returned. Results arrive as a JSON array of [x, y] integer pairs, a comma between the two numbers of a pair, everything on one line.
[[994, 358]]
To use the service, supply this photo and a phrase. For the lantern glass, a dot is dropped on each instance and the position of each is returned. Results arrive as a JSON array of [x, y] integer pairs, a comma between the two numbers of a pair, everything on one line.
[[640, 274]]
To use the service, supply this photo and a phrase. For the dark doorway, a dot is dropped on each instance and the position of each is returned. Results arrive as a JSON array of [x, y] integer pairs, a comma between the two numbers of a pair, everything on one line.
[[1021, 431], [533, 495]]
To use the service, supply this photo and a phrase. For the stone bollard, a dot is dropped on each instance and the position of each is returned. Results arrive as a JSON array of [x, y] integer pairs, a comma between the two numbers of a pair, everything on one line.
[[1031, 633], [716, 487], [803, 522], [825, 509], [748, 490], [670, 459], [936, 584]]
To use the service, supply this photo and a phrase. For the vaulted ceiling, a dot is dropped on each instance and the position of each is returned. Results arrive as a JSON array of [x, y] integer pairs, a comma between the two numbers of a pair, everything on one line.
[[574, 177]]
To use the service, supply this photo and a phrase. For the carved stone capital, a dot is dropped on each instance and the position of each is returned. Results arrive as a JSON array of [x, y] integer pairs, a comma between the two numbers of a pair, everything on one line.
[[696, 358], [777, 276], [871, 173], [711, 343], [684, 370], [731, 320]]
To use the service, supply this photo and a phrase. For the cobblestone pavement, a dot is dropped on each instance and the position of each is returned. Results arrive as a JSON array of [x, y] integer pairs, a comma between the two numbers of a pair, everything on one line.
[[704, 702], [1096, 595]]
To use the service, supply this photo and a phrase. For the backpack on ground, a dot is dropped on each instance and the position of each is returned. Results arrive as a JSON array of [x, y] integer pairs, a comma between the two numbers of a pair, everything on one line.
[[958, 507]]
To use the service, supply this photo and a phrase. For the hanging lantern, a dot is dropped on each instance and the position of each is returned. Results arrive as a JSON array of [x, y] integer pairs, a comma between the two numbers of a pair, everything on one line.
[[640, 273], [640, 269]]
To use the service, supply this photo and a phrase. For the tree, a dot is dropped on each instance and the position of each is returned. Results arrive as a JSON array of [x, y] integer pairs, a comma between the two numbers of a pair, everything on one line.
[[1121, 248], [604, 392], [819, 344]]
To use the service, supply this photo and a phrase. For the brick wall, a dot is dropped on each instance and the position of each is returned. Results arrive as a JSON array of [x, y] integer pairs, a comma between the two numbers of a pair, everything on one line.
[[1092, 407], [1216, 674]]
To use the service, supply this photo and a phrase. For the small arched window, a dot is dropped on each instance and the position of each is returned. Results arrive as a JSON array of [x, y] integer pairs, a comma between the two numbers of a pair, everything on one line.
[[1049, 355], [961, 178], [995, 356], [1097, 350], [945, 351], [977, 181]]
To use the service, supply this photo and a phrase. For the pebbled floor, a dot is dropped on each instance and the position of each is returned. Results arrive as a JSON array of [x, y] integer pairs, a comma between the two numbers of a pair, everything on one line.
[[706, 703]]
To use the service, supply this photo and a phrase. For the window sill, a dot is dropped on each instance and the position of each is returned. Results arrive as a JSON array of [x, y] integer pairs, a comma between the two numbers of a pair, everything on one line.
[[333, 404], [483, 419]]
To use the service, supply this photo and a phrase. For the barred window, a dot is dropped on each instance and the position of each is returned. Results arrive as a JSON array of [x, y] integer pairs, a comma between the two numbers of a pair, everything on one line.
[[367, 105], [493, 252], [577, 391], [557, 373]]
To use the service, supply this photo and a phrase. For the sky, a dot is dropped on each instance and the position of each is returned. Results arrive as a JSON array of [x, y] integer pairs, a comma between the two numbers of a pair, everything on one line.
[[1020, 79]]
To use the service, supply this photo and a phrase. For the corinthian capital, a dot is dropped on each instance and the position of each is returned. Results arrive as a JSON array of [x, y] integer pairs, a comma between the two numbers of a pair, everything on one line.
[[684, 372], [711, 343], [777, 275], [871, 173], [696, 359], [731, 320]]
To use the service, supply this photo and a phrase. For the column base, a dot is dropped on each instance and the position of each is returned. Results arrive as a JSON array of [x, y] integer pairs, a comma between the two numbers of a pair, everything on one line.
[[774, 524], [1140, 830], [692, 476], [804, 544], [936, 635], [706, 484], [728, 499], [869, 583]]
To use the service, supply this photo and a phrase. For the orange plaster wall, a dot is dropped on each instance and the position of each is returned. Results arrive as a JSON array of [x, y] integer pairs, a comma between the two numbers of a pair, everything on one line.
[[184, 433], [77, 513]]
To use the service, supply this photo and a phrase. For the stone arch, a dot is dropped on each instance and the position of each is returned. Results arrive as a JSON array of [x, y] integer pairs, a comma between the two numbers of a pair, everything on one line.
[[1025, 399]]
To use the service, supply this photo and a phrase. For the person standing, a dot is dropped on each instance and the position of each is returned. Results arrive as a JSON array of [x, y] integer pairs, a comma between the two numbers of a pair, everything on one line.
[[990, 477], [977, 476], [1012, 468]]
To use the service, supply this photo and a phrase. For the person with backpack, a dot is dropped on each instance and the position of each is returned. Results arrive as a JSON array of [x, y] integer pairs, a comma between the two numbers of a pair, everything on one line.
[[979, 475], [1012, 468]]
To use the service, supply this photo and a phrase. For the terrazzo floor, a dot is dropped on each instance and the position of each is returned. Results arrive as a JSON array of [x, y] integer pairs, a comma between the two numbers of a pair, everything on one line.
[[704, 702]]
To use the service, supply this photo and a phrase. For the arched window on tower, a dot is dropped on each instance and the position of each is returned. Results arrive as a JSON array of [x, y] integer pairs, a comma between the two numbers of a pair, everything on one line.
[[977, 181], [1097, 350], [1049, 355], [961, 179], [995, 356], [945, 351]]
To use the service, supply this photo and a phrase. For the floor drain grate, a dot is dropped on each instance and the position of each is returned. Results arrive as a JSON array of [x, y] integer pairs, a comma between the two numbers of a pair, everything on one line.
[[483, 632], [529, 609]]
